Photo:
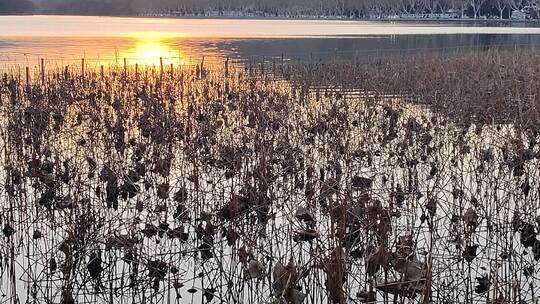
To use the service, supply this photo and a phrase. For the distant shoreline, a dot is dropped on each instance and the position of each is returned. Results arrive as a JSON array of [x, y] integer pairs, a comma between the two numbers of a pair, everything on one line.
[[303, 18], [402, 20], [315, 18]]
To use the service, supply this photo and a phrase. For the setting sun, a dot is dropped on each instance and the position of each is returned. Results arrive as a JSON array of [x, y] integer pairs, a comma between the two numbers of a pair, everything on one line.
[[149, 48]]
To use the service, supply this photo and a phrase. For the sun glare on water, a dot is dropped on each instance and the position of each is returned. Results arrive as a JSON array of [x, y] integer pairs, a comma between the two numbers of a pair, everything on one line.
[[148, 48]]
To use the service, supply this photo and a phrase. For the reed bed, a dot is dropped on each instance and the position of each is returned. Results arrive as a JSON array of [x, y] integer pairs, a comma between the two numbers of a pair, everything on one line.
[[198, 185], [484, 87]]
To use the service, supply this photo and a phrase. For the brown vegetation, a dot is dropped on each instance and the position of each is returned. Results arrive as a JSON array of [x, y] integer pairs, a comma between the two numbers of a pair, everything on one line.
[[310, 184]]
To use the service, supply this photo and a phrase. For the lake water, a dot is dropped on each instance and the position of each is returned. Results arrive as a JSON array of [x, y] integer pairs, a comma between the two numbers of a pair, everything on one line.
[[61, 39]]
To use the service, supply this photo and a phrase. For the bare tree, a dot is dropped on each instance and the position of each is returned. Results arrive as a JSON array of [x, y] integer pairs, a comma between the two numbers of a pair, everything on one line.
[[476, 6], [501, 5], [517, 4], [430, 5], [458, 5], [444, 6], [535, 4]]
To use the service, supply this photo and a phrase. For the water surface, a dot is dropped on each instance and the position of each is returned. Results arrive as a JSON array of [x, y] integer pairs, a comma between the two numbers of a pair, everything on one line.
[[63, 39]]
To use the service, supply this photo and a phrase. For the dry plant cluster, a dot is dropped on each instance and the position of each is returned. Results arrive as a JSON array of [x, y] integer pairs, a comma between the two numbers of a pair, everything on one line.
[[487, 87], [411, 180]]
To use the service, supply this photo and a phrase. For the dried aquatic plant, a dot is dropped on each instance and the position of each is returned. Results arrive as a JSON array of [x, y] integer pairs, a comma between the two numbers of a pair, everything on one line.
[[398, 180]]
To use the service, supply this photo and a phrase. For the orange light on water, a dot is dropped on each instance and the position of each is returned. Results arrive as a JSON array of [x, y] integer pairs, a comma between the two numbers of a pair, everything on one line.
[[148, 48]]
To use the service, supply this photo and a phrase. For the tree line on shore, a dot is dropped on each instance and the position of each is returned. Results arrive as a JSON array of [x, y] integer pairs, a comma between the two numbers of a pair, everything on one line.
[[501, 9]]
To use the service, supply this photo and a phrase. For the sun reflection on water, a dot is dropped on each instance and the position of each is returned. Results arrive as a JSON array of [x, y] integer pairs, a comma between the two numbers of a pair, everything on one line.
[[148, 48]]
